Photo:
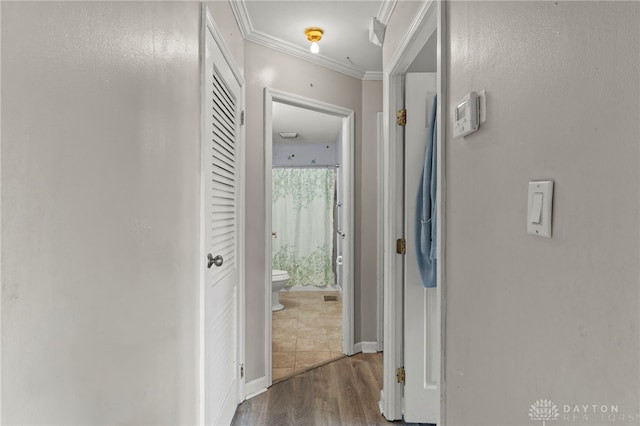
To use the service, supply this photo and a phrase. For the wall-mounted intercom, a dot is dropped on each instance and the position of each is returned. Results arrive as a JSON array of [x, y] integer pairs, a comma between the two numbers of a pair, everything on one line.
[[467, 115]]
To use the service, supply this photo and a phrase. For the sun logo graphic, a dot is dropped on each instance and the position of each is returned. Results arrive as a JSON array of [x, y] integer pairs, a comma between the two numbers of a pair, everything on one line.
[[545, 410]]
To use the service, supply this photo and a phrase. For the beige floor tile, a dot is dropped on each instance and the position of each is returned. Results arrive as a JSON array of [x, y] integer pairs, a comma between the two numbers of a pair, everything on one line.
[[309, 295], [278, 373], [333, 332], [309, 333], [289, 303], [285, 314], [312, 316], [315, 343], [284, 359], [304, 331], [284, 344], [283, 333], [288, 295], [308, 359], [332, 322], [335, 345], [323, 323], [285, 325], [337, 355], [313, 306]]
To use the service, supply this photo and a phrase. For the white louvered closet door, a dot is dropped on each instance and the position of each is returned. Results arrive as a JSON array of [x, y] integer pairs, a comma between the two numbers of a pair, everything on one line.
[[222, 129]]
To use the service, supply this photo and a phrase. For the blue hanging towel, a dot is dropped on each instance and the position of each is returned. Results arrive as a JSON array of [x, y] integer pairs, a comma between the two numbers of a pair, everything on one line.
[[425, 230]]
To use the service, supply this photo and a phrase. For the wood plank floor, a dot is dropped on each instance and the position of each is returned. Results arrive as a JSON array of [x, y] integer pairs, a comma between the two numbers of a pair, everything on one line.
[[343, 392]]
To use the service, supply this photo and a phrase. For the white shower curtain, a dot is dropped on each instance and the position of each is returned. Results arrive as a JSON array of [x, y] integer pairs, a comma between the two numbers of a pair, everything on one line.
[[303, 222]]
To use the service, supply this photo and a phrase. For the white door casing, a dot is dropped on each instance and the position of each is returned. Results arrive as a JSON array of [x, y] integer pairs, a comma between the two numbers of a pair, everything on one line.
[[421, 324], [222, 290], [429, 19], [346, 212]]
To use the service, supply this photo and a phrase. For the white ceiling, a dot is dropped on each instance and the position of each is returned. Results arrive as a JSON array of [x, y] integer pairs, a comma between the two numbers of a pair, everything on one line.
[[311, 126], [345, 46]]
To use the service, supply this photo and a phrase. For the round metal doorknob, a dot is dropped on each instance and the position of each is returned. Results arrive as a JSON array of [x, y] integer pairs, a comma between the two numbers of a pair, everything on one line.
[[214, 260]]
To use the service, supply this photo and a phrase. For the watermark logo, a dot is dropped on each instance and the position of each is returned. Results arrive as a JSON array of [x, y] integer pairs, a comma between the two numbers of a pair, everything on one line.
[[543, 410]]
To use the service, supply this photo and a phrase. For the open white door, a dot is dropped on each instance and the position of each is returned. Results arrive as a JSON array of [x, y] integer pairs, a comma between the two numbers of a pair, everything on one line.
[[413, 327], [220, 141], [421, 313]]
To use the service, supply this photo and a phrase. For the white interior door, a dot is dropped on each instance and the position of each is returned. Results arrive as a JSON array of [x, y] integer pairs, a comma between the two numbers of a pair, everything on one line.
[[421, 319], [219, 163]]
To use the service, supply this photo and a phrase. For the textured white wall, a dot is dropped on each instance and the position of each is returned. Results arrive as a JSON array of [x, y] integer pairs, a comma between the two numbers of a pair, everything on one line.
[[530, 318], [305, 154], [265, 67], [226, 22], [403, 15], [367, 184], [544, 318], [100, 211]]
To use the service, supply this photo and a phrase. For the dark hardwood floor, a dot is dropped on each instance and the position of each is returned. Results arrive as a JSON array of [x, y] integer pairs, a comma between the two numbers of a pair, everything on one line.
[[343, 392]]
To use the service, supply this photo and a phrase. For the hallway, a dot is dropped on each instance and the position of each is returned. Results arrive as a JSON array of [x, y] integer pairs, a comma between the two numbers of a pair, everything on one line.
[[343, 392]]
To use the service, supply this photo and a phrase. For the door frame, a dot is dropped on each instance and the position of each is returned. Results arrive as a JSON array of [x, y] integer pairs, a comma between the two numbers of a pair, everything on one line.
[[347, 165], [430, 18], [380, 234], [208, 24]]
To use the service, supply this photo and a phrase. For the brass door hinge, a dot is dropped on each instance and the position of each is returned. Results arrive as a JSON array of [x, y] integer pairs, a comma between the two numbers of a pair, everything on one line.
[[242, 118], [402, 117], [401, 246], [241, 371], [400, 375]]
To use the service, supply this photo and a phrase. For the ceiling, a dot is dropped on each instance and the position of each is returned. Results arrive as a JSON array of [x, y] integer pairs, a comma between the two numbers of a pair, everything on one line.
[[311, 126], [345, 46]]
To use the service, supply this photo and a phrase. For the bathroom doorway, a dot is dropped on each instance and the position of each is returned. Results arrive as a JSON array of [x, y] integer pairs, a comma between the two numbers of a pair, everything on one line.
[[309, 187]]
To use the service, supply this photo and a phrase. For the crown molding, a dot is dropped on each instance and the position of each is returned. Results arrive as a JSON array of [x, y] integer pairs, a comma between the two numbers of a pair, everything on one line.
[[301, 53], [372, 75], [385, 11], [241, 14]]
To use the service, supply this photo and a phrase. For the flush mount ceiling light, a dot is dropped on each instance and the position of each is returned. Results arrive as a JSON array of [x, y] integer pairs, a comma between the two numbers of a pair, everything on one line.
[[314, 35]]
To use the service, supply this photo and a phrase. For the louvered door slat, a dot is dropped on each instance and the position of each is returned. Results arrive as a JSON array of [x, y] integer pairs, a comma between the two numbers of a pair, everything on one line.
[[220, 126], [221, 153], [223, 185], [223, 161]]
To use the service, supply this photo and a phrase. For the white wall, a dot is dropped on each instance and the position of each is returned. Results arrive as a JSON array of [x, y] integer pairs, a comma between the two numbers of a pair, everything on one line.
[[530, 318], [403, 15], [226, 22], [100, 210], [367, 209], [265, 67], [305, 154]]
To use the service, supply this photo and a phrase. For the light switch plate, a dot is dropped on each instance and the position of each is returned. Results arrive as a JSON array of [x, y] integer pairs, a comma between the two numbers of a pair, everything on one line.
[[542, 229]]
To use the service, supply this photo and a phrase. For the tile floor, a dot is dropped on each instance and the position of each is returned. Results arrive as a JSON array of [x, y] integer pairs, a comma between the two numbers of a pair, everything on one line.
[[307, 332]]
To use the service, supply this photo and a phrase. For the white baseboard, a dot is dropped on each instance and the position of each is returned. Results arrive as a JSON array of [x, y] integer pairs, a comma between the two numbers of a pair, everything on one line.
[[255, 387], [365, 347]]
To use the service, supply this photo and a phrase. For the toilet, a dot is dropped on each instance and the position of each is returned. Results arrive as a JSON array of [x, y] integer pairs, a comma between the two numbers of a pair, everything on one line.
[[279, 280]]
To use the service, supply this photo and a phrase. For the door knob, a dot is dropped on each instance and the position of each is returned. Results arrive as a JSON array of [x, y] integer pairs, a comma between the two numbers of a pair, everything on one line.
[[214, 260]]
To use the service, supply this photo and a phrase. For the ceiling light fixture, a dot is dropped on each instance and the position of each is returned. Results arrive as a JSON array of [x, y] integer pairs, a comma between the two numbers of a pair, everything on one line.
[[314, 35]]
